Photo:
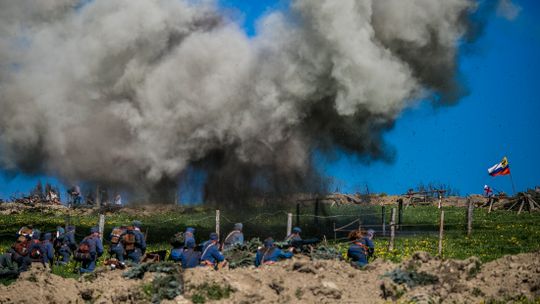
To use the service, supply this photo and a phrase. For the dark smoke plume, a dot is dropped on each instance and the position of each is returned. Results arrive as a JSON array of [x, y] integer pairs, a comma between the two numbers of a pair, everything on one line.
[[130, 93]]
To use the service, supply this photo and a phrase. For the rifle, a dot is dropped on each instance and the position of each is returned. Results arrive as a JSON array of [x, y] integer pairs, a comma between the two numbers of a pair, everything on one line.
[[298, 244]]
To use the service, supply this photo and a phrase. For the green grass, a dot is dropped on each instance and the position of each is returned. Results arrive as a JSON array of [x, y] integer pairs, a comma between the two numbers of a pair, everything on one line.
[[494, 235]]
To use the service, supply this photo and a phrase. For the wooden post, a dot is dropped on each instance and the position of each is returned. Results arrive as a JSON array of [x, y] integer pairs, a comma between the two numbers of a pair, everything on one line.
[[383, 220], [289, 224], [98, 197], [392, 229], [521, 206], [101, 225], [297, 214], [400, 213], [441, 231], [335, 233], [491, 200], [217, 222], [440, 200], [470, 209]]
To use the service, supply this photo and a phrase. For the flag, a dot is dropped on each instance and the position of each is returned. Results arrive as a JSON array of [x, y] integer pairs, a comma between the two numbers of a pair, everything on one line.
[[501, 168]]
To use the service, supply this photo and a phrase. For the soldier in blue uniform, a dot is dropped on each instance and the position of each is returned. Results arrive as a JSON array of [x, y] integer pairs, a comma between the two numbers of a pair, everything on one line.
[[270, 254], [360, 249], [47, 249], [133, 243], [187, 255], [90, 249], [211, 256], [189, 234], [235, 237], [294, 236]]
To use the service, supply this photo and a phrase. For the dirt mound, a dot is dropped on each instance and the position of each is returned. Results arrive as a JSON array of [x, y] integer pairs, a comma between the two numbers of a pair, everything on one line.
[[297, 280], [40, 286], [422, 279]]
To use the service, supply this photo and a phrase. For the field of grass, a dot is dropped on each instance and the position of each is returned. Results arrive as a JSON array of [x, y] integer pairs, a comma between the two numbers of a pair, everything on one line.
[[494, 235]]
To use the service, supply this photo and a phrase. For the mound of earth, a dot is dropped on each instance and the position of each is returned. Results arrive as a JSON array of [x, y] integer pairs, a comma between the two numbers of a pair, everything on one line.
[[422, 279]]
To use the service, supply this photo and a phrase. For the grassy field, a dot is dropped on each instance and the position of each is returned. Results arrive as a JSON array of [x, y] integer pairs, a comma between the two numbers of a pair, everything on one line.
[[494, 235]]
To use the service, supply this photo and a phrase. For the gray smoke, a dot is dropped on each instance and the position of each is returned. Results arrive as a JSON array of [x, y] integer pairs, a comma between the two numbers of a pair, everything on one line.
[[132, 92]]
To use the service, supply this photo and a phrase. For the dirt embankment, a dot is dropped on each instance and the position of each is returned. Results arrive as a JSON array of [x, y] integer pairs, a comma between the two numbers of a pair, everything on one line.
[[422, 279]]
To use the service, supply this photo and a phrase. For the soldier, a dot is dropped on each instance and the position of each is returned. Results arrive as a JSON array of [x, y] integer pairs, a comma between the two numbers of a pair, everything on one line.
[[211, 256], [116, 249], [133, 243], [65, 244], [19, 253], [270, 254], [189, 234], [235, 237], [360, 248], [89, 250], [294, 236], [187, 256], [47, 250]]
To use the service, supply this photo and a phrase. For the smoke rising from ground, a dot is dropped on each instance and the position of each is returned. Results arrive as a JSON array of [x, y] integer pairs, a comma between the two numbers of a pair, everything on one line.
[[130, 93]]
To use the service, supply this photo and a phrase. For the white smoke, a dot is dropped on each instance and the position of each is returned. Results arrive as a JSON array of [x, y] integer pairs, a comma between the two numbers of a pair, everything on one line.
[[508, 9], [131, 92]]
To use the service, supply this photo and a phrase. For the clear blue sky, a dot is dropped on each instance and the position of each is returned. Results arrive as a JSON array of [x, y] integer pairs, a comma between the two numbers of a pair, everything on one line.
[[451, 145]]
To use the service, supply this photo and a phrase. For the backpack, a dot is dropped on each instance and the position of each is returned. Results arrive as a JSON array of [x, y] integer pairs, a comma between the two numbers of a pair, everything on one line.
[[115, 235], [83, 251], [129, 240], [35, 250]]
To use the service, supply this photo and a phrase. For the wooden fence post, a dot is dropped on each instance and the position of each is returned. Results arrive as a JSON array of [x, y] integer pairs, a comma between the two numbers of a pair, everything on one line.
[[441, 231], [101, 225], [289, 224], [392, 229], [400, 213], [383, 219], [490, 204], [217, 222], [440, 200], [470, 208]]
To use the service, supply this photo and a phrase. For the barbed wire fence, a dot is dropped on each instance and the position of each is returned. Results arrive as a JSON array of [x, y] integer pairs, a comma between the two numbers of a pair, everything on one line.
[[334, 223]]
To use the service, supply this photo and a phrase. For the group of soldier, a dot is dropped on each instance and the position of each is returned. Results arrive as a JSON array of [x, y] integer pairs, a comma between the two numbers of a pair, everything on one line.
[[127, 243]]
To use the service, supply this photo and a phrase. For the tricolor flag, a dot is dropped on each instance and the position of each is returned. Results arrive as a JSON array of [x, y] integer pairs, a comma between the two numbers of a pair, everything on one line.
[[501, 168]]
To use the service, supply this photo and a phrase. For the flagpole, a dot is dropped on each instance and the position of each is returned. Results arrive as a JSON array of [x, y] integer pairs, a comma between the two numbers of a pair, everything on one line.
[[513, 186]]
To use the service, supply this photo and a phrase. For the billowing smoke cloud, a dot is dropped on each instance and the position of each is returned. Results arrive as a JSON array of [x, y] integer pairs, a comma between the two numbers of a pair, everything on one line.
[[132, 92]]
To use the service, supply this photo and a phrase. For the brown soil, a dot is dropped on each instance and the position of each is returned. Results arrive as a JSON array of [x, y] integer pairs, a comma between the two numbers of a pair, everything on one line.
[[303, 281]]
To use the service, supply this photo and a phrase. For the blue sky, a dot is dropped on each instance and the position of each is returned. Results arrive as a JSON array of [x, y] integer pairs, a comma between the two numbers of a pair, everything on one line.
[[450, 145]]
